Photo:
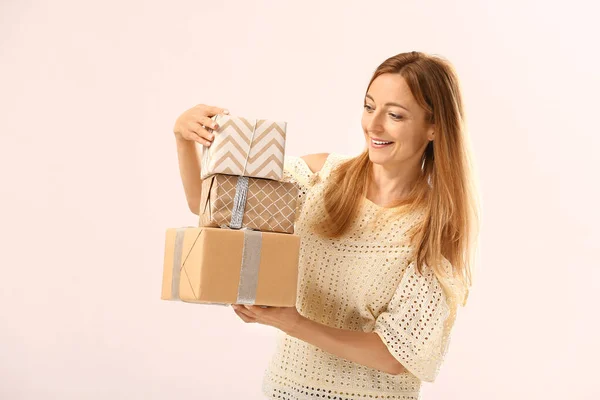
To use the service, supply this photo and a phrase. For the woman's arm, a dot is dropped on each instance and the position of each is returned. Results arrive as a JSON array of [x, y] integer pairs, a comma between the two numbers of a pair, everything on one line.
[[365, 348], [190, 128], [189, 169]]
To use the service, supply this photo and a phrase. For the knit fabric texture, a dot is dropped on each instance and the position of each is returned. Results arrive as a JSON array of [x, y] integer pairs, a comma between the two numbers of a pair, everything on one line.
[[365, 281]]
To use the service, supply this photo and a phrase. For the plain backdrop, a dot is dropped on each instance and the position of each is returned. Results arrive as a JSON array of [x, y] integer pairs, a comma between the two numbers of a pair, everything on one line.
[[89, 93]]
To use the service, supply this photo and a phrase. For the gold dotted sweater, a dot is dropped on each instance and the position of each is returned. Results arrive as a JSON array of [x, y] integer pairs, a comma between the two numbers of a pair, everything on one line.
[[364, 281]]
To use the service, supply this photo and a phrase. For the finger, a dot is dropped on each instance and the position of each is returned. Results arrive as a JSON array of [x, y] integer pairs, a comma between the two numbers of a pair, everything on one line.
[[212, 110], [199, 134], [246, 310], [244, 317], [208, 123], [255, 310]]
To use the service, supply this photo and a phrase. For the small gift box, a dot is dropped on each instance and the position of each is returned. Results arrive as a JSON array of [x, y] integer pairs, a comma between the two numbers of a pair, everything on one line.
[[241, 202], [225, 266], [245, 147]]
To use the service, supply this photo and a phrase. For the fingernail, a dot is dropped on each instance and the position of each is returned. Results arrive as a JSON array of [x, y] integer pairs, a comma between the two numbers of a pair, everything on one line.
[[225, 111]]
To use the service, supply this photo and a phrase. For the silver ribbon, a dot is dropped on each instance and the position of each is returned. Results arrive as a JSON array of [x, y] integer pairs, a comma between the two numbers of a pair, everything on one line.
[[239, 202], [249, 269], [177, 265]]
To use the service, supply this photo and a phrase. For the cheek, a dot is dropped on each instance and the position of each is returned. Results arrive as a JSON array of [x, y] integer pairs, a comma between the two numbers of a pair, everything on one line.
[[408, 141], [397, 133]]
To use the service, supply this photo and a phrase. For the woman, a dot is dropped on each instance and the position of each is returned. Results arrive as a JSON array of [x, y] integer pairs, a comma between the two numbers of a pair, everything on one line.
[[387, 241]]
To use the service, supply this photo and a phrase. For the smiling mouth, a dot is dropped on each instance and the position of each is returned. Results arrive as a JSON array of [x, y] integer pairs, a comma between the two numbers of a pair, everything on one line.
[[380, 143]]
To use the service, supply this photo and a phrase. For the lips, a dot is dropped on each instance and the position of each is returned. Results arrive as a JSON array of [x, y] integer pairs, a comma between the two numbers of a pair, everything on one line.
[[379, 143]]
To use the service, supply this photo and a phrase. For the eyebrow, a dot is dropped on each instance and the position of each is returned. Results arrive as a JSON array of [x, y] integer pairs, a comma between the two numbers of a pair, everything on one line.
[[389, 104]]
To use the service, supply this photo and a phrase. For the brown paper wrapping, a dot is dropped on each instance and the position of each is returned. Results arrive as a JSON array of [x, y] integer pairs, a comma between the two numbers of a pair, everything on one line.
[[270, 205], [210, 267]]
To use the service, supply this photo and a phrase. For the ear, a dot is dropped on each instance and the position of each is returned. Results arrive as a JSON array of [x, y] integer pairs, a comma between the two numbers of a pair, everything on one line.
[[431, 133]]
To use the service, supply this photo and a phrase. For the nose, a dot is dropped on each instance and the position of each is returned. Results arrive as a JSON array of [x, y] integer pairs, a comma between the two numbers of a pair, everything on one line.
[[375, 124]]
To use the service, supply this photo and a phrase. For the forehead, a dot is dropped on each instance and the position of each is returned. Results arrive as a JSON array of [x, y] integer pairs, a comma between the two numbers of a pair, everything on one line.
[[391, 88]]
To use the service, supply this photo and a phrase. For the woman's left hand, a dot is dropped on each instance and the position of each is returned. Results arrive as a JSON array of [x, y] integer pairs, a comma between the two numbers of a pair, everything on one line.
[[284, 318]]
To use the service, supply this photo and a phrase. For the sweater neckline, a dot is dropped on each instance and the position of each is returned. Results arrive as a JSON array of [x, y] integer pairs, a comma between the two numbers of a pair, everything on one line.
[[377, 206], [365, 200]]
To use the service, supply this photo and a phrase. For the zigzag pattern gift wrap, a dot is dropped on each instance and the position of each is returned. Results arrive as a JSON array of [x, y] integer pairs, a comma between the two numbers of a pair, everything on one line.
[[245, 147], [241, 202]]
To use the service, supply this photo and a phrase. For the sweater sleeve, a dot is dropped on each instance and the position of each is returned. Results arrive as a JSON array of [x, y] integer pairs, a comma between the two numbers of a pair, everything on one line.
[[412, 327], [296, 171]]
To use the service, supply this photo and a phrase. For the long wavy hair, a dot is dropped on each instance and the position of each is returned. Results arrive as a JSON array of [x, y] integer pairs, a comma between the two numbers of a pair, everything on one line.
[[444, 192]]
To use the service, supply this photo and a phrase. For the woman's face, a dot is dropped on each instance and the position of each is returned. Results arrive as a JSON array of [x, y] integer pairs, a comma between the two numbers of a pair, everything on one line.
[[393, 123]]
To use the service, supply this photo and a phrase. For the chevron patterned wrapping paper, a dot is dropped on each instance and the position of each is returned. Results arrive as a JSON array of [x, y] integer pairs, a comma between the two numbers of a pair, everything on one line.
[[270, 205], [245, 147]]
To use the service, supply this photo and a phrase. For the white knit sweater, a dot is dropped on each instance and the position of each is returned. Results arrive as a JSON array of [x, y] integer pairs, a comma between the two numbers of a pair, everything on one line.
[[364, 281]]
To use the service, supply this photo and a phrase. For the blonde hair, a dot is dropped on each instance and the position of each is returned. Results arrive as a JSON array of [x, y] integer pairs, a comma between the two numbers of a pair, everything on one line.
[[445, 191]]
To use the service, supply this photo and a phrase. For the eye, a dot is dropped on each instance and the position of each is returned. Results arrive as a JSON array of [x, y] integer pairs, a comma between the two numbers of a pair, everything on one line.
[[368, 108], [395, 116]]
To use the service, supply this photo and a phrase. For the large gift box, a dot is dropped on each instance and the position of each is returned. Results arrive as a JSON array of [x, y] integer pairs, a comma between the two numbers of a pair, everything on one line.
[[241, 202], [226, 266], [245, 147]]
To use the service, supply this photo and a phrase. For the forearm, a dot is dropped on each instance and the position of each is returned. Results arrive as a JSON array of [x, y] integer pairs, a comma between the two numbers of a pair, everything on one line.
[[365, 348], [189, 169]]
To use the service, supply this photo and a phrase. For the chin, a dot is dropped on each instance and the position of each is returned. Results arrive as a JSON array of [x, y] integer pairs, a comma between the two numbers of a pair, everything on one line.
[[377, 158]]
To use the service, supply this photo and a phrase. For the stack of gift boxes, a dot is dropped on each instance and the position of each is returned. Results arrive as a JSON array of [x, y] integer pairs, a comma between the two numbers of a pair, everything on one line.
[[244, 250]]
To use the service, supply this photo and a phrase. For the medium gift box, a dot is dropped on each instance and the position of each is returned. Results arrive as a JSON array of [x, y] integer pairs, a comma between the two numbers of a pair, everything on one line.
[[226, 266], [245, 147], [241, 202]]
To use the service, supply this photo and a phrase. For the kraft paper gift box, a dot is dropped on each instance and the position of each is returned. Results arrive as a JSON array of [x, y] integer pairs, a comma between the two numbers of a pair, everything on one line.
[[245, 147], [226, 266], [241, 202]]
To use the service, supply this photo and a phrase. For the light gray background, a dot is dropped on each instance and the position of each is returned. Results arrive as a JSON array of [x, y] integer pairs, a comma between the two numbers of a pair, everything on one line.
[[89, 181]]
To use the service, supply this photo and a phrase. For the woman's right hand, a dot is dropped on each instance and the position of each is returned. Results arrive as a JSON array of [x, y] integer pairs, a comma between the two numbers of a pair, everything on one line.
[[194, 124]]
